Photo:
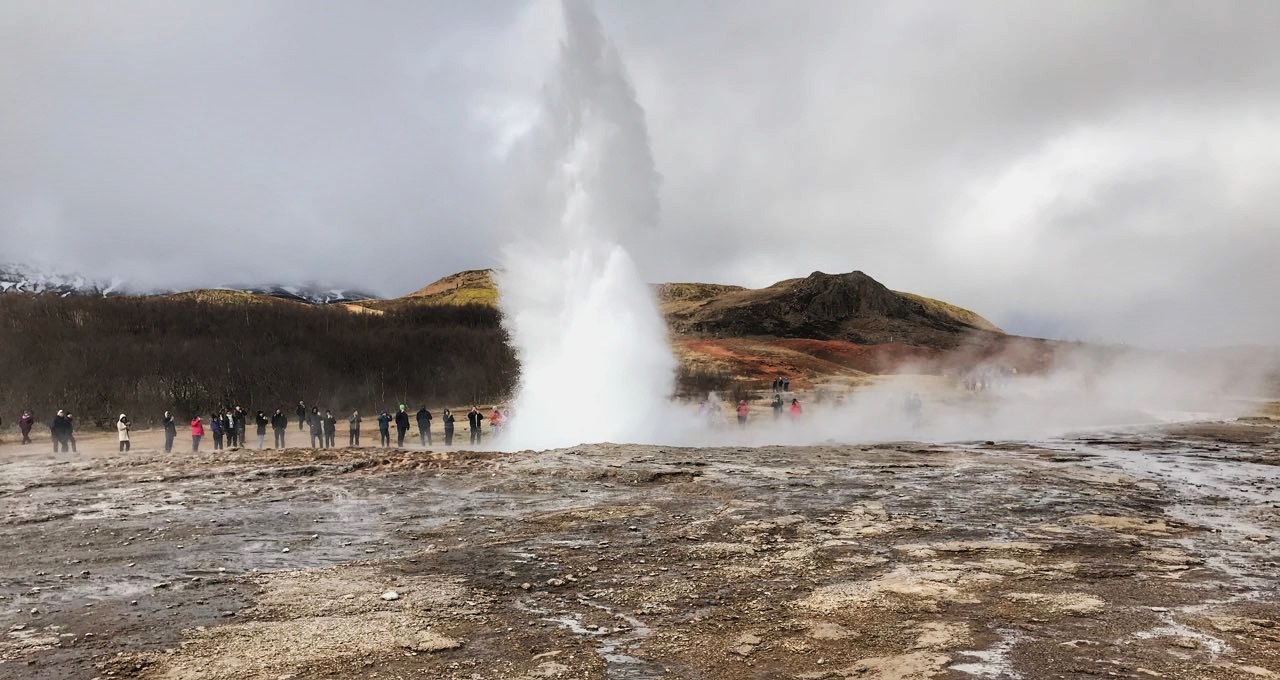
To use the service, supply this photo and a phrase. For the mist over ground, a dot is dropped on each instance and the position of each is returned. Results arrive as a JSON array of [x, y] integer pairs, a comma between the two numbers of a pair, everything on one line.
[[1099, 172]]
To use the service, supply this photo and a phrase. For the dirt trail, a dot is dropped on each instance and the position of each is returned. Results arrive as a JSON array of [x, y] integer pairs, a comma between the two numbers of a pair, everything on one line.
[[1137, 554]]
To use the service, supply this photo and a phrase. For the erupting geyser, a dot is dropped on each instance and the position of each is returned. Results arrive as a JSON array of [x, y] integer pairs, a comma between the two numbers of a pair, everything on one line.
[[595, 363]]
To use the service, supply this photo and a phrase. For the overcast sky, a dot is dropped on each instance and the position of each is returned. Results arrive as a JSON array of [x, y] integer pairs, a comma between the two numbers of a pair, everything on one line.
[[1088, 170]]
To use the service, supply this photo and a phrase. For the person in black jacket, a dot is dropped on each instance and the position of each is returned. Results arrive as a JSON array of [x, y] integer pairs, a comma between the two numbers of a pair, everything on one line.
[[447, 418], [170, 432], [279, 423], [301, 412], [330, 429], [261, 421], [60, 431], [353, 429], [315, 424], [424, 426], [238, 420], [230, 430], [474, 419], [219, 430], [402, 425], [384, 428]]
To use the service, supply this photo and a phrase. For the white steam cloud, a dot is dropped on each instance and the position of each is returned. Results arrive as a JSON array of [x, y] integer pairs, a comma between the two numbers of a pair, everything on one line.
[[590, 339]]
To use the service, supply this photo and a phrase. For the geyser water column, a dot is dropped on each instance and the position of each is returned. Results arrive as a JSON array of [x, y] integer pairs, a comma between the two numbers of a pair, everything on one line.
[[595, 363]]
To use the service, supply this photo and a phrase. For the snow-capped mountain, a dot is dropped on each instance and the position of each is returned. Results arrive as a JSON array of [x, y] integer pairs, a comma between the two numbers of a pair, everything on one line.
[[316, 295], [20, 278]]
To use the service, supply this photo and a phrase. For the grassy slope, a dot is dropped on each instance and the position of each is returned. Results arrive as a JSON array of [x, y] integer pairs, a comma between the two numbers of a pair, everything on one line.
[[958, 313]]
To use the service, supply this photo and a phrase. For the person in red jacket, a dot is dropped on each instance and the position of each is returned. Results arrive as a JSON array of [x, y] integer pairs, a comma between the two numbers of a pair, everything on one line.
[[795, 408], [197, 431], [743, 410]]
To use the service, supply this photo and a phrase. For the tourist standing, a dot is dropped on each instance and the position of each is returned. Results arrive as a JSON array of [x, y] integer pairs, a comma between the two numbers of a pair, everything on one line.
[[330, 429], [301, 412], [353, 429], [777, 406], [170, 431], [197, 431], [261, 421], [474, 419], [230, 429], [59, 431], [402, 425], [424, 426], [215, 424], [279, 423], [315, 425], [447, 417], [238, 418], [795, 409], [25, 424], [122, 428], [384, 428], [743, 411], [71, 431]]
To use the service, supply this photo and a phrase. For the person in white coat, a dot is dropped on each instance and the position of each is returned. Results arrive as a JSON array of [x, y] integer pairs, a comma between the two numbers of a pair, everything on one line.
[[122, 427]]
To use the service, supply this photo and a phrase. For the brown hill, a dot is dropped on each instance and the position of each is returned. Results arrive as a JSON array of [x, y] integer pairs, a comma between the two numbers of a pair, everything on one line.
[[852, 307], [476, 286]]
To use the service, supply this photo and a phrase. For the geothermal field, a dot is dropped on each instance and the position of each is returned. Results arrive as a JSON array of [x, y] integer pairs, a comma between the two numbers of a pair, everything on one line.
[[1145, 552]]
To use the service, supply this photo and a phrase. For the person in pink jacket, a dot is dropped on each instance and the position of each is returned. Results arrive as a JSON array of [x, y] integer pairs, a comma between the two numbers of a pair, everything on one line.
[[197, 431], [743, 410]]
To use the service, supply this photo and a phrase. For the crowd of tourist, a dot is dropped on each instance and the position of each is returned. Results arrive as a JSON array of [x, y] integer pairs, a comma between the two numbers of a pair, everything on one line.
[[229, 427]]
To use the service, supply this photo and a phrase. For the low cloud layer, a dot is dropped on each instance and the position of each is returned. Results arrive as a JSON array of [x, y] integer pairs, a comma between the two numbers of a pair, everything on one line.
[[1095, 171]]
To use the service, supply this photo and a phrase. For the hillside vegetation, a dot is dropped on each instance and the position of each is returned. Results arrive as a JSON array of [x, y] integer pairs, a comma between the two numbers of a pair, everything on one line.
[[189, 353]]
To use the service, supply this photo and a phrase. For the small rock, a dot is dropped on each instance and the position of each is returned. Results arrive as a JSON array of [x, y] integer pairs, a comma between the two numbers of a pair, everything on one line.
[[285, 550], [526, 586], [391, 596], [427, 641]]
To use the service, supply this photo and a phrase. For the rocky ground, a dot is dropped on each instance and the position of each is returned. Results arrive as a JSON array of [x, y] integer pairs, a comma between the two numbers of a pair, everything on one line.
[[1132, 554]]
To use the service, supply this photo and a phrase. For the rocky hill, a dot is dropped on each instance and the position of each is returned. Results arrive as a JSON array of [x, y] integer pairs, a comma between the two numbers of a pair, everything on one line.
[[853, 307]]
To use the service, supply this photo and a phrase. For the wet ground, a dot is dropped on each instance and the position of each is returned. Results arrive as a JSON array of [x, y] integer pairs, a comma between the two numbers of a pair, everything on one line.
[[1128, 554]]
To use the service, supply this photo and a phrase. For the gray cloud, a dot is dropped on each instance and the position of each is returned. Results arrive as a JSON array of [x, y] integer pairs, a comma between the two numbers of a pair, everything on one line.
[[1093, 170]]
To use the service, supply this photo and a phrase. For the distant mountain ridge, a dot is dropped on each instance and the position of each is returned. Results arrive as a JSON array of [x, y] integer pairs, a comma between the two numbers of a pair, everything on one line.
[[20, 278]]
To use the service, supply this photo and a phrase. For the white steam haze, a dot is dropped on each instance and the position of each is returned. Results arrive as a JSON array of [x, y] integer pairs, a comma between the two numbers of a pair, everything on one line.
[[1085, 170], [585, 326]]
